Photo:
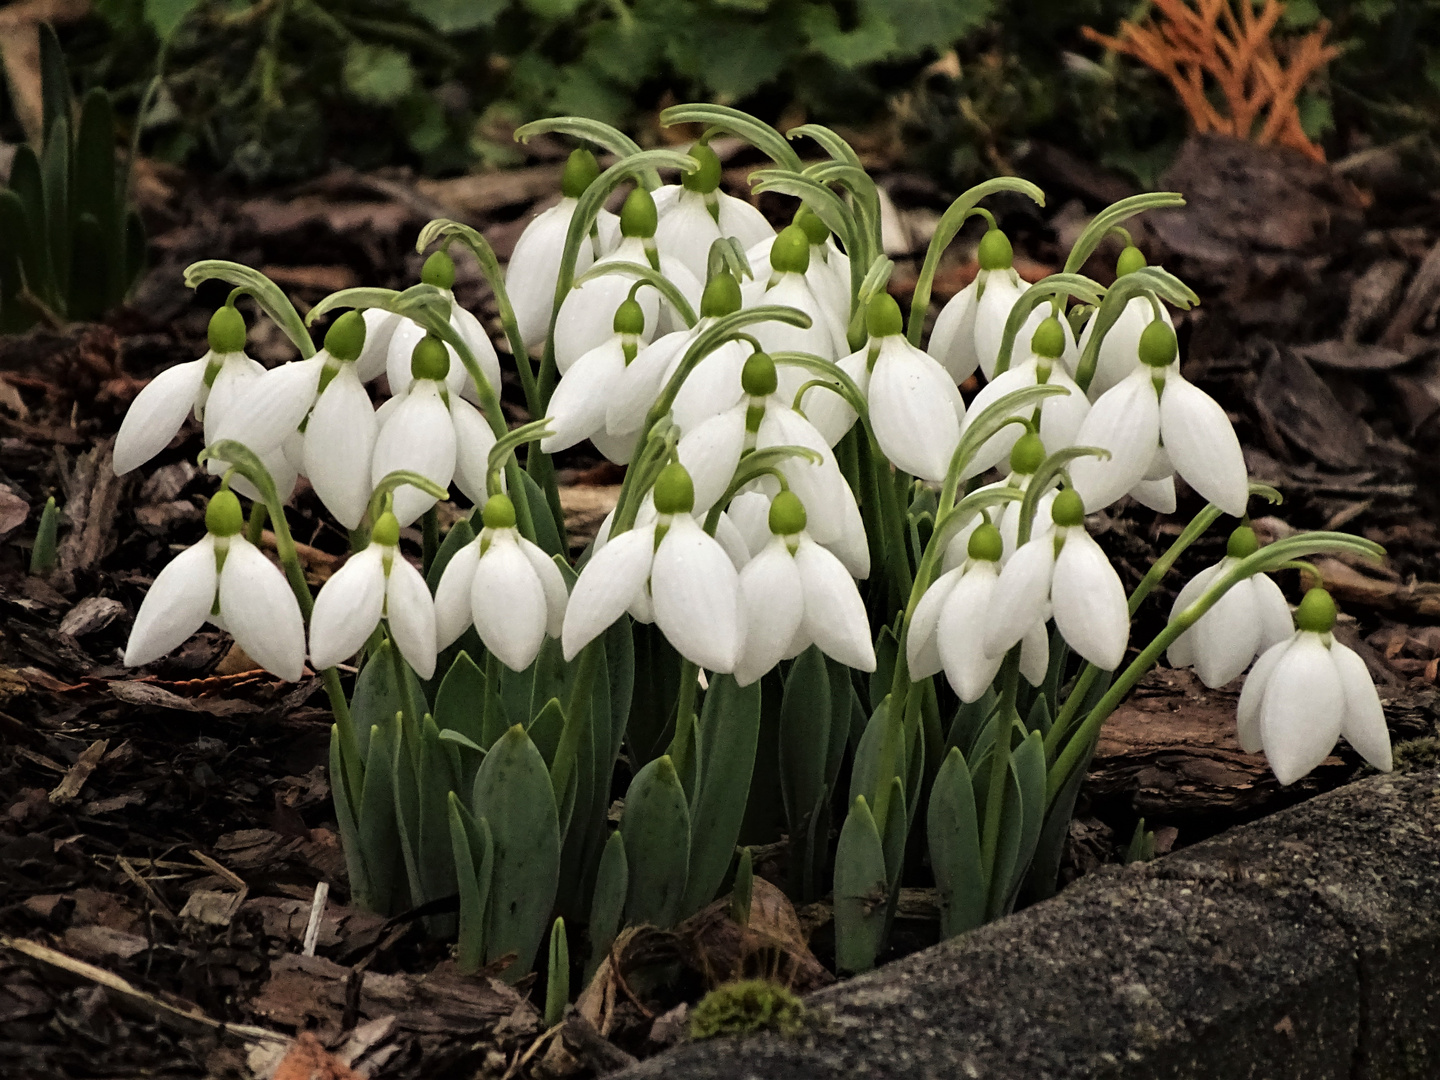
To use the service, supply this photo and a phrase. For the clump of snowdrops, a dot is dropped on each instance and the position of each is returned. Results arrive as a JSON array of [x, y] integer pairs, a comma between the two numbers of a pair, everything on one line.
[[823, 566]]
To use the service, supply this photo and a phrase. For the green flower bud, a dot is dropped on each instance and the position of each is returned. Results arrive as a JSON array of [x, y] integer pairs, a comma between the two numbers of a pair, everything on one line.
[[706, 178], [223, 517], [985, 543], [721, 296], [638, 216], [995, 251], [386, 531], [1157, 345], [430, 360], [439, 270], [227, 331], [581, 170], [1027, 455], [882, 317], [816, 231], [787, 514], [674, 491], [499, 512], [1068, 508], [1316, 612], [629, 318], [1242, 543], [791, 251], [1049, 339], [1131, 259], [346, 337], [757, 377]]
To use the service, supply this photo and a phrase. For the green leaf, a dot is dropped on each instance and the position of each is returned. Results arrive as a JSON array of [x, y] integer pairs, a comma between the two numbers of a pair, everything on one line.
[[873, 39], [545, 729], [376, 699], [656, 825], [165, 16], [729, 731], [350, 844], [377, 74], [379, 832], [513, 793], [437, 781], [920, 25], [952, 829], [861, 891], [547, 536], [460, 534], [58, 100], [557, 981], [607, 908], [805, 747], [55, 168], [473, 853], [459, 706], [553, 9], [457, 16]]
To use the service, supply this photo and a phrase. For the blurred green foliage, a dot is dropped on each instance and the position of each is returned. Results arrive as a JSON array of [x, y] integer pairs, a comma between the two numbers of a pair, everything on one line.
[[276, 89]]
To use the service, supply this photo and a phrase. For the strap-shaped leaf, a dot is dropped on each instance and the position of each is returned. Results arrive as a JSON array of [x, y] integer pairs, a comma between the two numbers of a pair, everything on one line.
[[756, 132]]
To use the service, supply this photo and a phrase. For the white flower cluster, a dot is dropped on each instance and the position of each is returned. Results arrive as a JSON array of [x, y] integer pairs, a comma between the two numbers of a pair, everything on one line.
[[742, 567]]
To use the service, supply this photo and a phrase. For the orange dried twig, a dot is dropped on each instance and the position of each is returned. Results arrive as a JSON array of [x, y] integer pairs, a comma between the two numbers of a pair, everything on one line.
[[1203, 46]]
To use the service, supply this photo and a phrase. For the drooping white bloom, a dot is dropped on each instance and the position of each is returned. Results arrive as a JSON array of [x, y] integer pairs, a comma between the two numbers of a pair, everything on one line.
[[374, 584], [1306, 692], [1037, 362], [430, 431], [1006, 516], [159, 410], [1119, 353], [948, 628], [225, 580], [582, 400], [1250, 618], [1154, 407], [507, 587], [699, 213], [686, 580], [828, 272], [795, 593], [786, 286], [1078, 586]]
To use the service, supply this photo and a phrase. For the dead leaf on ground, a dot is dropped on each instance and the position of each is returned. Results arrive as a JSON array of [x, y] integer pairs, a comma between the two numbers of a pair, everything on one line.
[[772, 944]]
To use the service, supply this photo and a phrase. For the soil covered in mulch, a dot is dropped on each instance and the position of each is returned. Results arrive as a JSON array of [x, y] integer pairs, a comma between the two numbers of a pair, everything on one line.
[[167, 837]]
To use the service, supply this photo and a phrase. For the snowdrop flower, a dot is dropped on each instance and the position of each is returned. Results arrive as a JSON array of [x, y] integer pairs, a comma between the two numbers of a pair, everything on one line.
[[1068, 575], [828, 273], [377, 583], [159, 410], [1026, 457], [340, 434], [1245, 622], [1119, 353], [511, 591], [534, 265], [787, 286], [404, 334], [948, 628], [1060, 416], [1306, 692], [970, 327], [1154, 407], [795, 594], [225, 580], [915, 410], [700, 213], [430, 431], [581, 401], [689, 580], [712, 386], [587, 310], [712, 451]]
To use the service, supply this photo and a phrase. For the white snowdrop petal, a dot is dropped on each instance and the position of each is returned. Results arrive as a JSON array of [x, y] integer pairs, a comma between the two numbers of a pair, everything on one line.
[[452, 595], [922, 651], [1182, 650], [507, 601], [952, 341], [821, 488], [607, 585], [914, 420], [1227, 637], [418, 436], [1276, 622], [835, 618], [473, 442], [667, 319], [749, 512], [534, 268], [587, 313], [1252, 696], [271, 407], [236, 373], [338, 444], [1021, 595], [772, 605], [1363, 722], [348, 608], [792, 290], [1302, 710], [829, 412], [177, 604], [996, 449], [157, 414], [710, 454], [261, 612], [641, 381], [552, 581], [379, 328], [694, 592], [1089, 602], [1035, 654], [577, 408], [960, 633], [1000, 291], [473, 334], [1119, 353], [1203, 446], [686, 232], [743, 221], [730, 538], [411, 613], [1062, 415], [712, 387], [1125, 421], [1157, 495]]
